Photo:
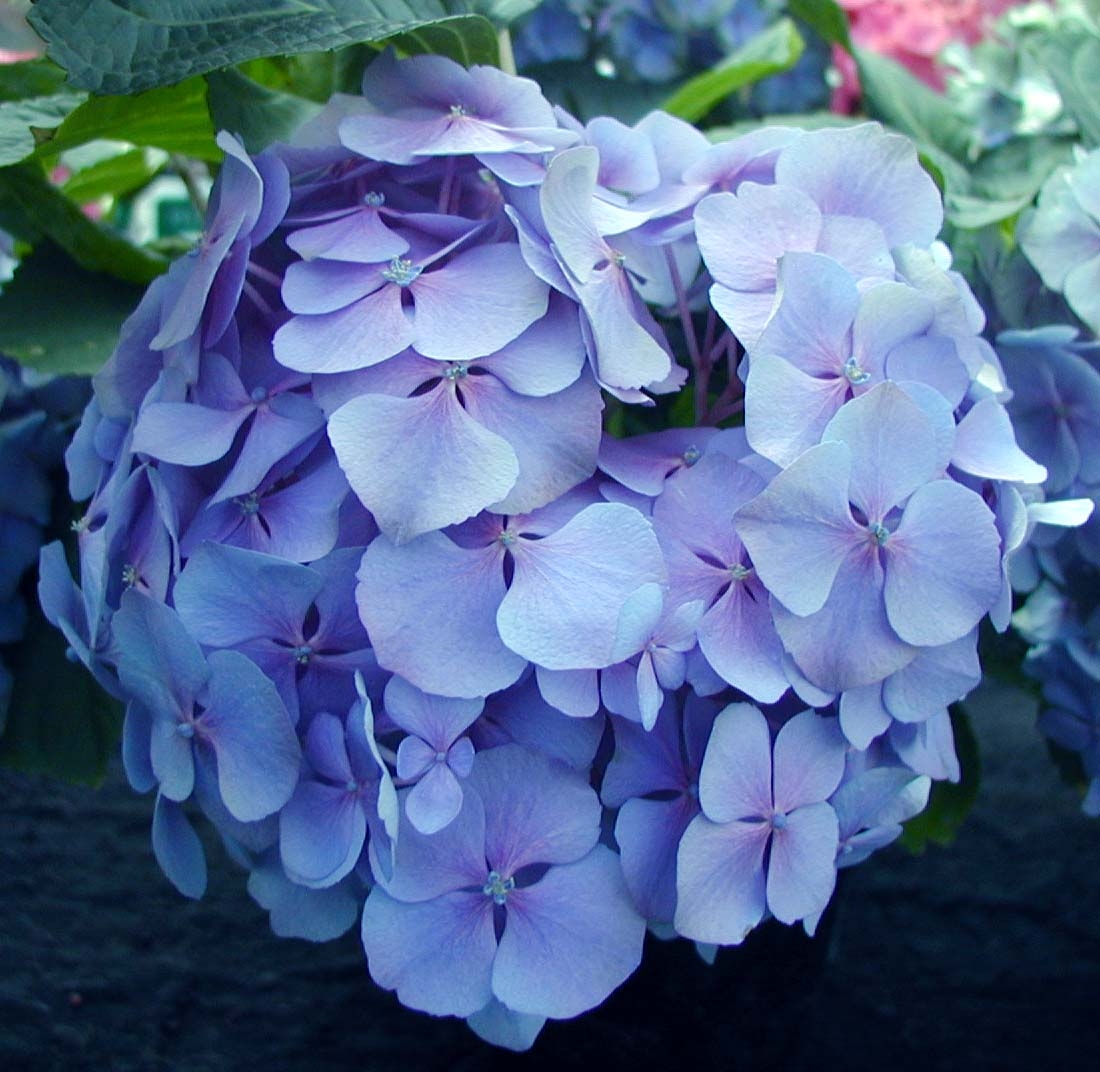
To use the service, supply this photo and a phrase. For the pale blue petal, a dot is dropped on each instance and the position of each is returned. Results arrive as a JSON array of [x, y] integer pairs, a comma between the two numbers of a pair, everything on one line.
[[569, 940]]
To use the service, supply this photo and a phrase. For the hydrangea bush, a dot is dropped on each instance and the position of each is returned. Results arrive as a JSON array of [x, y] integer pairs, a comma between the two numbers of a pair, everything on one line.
[[433, 649], [1054, 370]]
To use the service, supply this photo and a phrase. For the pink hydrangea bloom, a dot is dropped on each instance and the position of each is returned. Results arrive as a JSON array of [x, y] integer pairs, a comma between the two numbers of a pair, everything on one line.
[[913, 32]]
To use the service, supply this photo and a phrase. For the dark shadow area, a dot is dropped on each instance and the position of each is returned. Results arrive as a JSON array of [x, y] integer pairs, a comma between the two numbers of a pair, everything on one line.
[[982, 956]]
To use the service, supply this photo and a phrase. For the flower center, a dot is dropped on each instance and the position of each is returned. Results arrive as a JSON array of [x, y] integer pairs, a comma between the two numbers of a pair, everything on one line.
[[250, 504], [779, 821], [401, 271], [507, 538], [374, 199], [456, 371], [498, 887], [129, 575], [878, 533], [691, 456], [302, 654], [739, 572], [458, 111], [259, 394], [855, 374]]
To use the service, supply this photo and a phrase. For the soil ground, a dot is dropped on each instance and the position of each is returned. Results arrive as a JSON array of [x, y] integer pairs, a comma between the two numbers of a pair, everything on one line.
[[985, 955]]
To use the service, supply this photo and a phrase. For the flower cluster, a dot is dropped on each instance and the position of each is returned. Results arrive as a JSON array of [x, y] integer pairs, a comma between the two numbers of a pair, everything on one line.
[[37, 414], [1055, 377], [419, 637], [656, 42]]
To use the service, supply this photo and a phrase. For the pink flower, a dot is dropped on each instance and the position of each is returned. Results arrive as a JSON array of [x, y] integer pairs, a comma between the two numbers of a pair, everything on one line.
[[913, 32]]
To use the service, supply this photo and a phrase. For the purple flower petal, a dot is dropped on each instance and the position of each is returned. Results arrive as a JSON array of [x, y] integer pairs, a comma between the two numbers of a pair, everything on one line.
[[326, 750], [943, 565], [250, 731], [178, 849], [227, 596], [172, 757], [437, 954], [435, 800], [137, 728], [438, 720], [862, 171], [648, 833], [720, 880], [736, 778], [361, 236], [849, 642], [936, 678], [863, 716], [520, 714], [809, 761], [786, 410], [892, 444], [425, 867], [430, 607], [546, 358], [556, 438], [802, 868], [364, 333], [500, 1026], [420, 463], [743, 235], [573, 692], [322, 830], [799, 529], [737, 636], [572, 588], [569, 940], [414, 758], [985, 445], [159, 663], [186, 434], [537, 810], [297, 912], [479, 302]]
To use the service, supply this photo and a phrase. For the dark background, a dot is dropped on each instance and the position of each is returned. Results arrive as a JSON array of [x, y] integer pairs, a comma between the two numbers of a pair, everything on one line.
[[985, 955]]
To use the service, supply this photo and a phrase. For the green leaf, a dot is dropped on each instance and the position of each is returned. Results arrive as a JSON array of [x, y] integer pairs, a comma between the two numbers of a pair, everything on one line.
[[60, 722], [111, 47], [313, 75], [19, 119], [58, 318], [30, 78], [90, 244], [468, 39], [499, 12], [1072, 59], [257, 114], [972, 213], [901, 100], [826, 18], [115, 176], [1020, 167], [950, 802], [175, 118], [774, 50]]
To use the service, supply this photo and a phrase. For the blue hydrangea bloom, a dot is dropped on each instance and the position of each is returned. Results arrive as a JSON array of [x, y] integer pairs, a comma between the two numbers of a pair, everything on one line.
[[385, 599]]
